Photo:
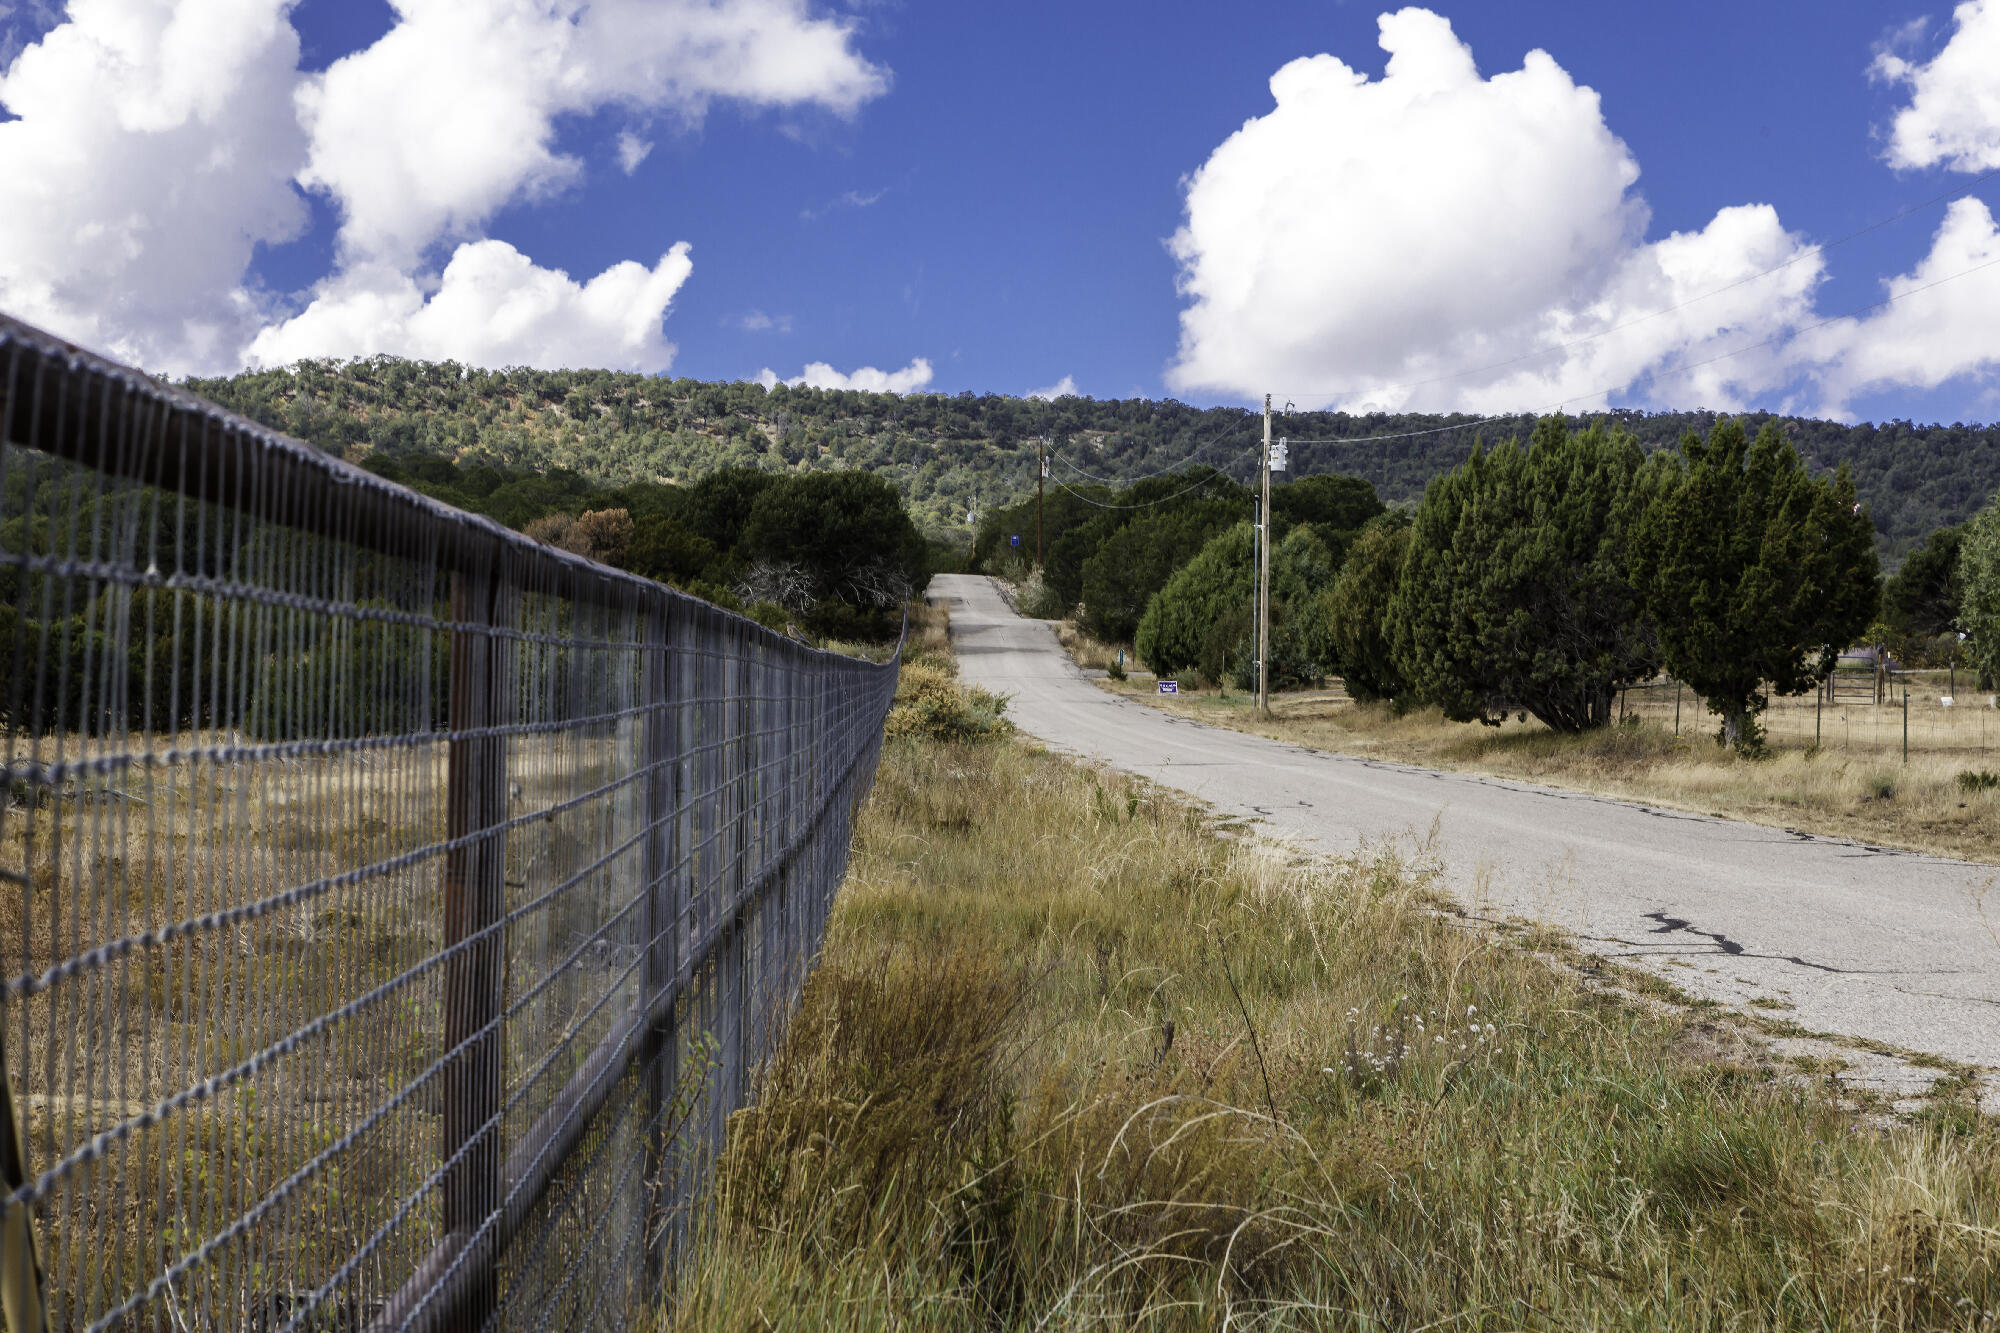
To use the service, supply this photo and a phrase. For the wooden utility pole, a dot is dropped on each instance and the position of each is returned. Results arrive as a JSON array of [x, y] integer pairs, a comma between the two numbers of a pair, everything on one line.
[[1041, 475], [1264, 573]]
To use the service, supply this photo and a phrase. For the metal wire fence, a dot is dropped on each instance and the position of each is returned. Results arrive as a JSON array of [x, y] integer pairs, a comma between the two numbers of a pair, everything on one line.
[[392, 908], [1931, 714]]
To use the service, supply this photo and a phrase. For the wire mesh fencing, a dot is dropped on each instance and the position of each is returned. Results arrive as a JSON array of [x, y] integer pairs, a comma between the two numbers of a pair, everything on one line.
[[392, 908], [1930, 714]]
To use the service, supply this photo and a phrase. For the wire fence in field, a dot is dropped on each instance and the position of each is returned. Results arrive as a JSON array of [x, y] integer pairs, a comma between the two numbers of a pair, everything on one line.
[[1928, 714], [391, 908]]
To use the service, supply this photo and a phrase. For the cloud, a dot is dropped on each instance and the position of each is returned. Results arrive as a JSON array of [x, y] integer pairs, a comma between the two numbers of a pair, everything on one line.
[[452, 114], [632, 150], [851, 199], [1399, 243], [1953, 117], [152, 151], [820, 375], [756, 321], [1062, 388], [155, 144], [492, 307], [1438, 240], [1939, 334]]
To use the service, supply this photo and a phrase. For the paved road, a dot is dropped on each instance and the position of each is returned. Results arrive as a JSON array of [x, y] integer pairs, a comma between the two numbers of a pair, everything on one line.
[[1863, 941]]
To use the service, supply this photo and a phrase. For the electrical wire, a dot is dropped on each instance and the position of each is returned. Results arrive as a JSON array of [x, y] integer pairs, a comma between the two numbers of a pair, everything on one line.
[[1199, 450], [1148, 504]]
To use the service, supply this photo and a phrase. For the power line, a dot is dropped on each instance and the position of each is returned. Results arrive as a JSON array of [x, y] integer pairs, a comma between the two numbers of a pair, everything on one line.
[[1198, 451], [1147, 504]]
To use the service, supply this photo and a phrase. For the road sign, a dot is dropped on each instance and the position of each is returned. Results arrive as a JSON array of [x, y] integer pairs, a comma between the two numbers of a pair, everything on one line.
[[1170, 687], [1014, 540]]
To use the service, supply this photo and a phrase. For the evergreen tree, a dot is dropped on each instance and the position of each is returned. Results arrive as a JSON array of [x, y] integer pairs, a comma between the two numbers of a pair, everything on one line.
[[1756, 572], [1353, 614], [1979, 592], [1514, 593], [1204, 617], [1922, 597]]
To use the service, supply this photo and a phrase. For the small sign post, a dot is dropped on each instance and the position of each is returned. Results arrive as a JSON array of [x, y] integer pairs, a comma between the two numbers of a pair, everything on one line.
[[1170, 687]]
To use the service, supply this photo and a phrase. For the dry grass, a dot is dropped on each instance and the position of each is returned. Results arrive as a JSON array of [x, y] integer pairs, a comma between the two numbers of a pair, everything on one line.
[[1853, 784], [1070, 1059]]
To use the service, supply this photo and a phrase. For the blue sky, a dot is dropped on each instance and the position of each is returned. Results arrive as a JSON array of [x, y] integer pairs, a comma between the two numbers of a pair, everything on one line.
[[992, 189]]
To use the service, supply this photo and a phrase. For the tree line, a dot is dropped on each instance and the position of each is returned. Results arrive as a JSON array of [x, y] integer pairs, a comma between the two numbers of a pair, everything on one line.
[[1539, 577], [950, 455]]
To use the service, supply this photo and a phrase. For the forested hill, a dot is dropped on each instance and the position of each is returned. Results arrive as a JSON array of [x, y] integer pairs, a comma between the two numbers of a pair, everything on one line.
[[948, 453]]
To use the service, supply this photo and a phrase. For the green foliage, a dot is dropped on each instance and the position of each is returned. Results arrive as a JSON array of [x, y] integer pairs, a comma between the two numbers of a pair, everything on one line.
[[1202, 618], [1514, 593], [1755, 571], [1979, 591], [841, 545], [944, 454], [931, 705], [1335, 507], [1922, 597], [1353, 613]]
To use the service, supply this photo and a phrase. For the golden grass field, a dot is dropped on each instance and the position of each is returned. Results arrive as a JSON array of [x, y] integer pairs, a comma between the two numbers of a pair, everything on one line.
[[1072, 1058]]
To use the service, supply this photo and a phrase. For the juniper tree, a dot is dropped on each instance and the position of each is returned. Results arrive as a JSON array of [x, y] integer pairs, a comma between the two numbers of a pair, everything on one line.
[[1757, 573], [1515, 592], [1979, 592], [1354, 612]]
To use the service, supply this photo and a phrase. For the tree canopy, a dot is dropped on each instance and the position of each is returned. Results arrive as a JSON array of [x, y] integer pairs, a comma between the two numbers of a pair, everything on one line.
[[1514, 593], [1757, 573]]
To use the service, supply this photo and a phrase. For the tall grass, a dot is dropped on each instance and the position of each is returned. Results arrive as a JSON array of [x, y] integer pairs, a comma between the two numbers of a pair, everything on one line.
[[1070, 1059]]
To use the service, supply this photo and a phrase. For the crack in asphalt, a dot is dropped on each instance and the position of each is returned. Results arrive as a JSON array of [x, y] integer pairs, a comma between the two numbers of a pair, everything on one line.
[[1670, 925]]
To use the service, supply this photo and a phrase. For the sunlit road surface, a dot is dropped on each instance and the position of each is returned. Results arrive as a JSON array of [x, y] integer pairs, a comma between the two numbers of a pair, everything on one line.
[[1862, 941]]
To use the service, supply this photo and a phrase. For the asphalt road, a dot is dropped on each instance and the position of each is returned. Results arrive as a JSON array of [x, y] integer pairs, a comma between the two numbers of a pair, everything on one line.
[[1863, 941]]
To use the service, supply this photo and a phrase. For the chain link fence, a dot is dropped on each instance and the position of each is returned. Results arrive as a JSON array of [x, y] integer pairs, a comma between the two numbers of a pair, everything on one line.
[[392, 909]]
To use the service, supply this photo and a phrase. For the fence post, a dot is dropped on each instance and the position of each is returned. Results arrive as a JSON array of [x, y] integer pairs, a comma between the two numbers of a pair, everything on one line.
[[475, 899]]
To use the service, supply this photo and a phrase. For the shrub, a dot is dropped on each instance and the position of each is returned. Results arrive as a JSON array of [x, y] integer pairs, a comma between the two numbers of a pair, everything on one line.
[[930, 704]]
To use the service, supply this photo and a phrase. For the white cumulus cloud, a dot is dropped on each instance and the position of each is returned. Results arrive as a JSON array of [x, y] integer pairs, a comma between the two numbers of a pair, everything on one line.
[[152, 150], [492, 307], [1954, 113], [1949, 326], [820, 375], [1435, 239], [1062, 388], [155, 144]]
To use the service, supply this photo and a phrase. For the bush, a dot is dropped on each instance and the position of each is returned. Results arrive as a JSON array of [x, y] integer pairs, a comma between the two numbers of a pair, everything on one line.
[[931, 705], [1037, 600]]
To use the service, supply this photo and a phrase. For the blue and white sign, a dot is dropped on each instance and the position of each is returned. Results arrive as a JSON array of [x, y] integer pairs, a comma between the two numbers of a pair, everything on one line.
[[1014, 540], [1170, 687]]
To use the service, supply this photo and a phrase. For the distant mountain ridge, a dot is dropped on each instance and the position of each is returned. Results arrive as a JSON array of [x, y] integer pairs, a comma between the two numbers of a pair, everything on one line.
[[949, 454]]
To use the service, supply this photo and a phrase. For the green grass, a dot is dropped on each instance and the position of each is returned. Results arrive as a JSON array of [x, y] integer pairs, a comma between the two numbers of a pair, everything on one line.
[[1072, 1060]]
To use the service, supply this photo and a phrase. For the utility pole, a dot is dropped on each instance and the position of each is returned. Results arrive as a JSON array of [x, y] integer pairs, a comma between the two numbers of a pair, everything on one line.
[[1264, 573], [1041, 476]]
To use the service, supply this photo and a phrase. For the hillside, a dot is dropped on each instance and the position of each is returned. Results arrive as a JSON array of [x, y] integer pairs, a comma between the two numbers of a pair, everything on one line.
[[947, 454]]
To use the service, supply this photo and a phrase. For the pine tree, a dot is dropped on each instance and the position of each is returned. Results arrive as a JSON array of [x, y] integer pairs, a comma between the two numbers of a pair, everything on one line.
[[1757, 572]]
